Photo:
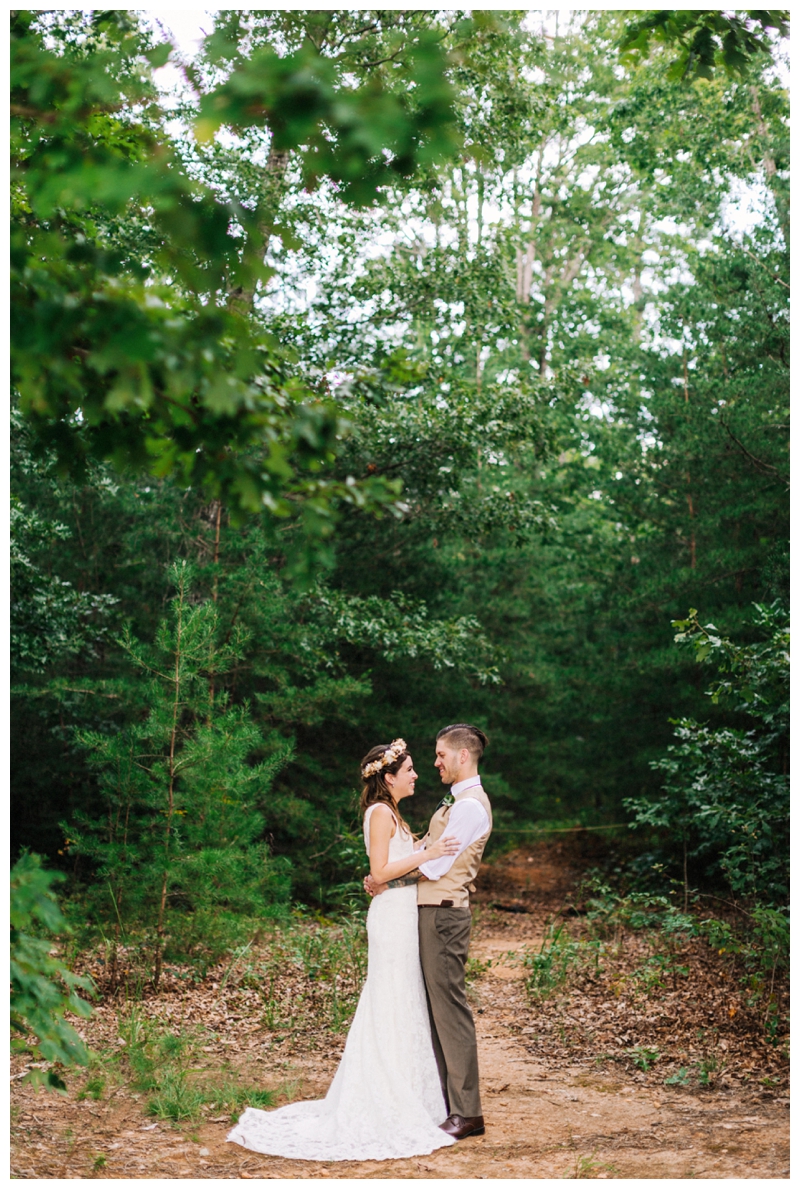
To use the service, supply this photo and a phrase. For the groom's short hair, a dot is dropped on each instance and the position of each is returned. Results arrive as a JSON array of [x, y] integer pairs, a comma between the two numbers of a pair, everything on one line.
[[461, 734]]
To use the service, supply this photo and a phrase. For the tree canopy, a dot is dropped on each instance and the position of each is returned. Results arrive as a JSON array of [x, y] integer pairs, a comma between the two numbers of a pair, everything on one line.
[[425, 366]]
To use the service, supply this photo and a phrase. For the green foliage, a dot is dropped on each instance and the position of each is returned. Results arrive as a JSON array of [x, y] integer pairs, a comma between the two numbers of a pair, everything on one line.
[[554, 358], [330, 960], [475, 968], [706, 1069], [726, 788], [643, 1057], [587, 1168], [679, 1078], [706, 38], [162, 1065], [556, 960], [770, 938], [607, 909], [574, 527], [359, 136], [43, 988], [180, 825], [758, 943], [657, 971], [139, 357], [93, 1088], [402, 627], [50, 619]]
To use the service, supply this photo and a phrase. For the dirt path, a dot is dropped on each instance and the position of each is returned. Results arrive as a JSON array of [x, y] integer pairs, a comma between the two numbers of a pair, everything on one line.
[[546, 1117]]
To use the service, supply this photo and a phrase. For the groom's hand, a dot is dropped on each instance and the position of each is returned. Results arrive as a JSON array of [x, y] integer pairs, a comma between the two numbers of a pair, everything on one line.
[[372, 888]]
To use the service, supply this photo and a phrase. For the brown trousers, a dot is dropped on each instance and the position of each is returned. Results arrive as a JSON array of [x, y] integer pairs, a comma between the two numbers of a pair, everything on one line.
[[443, 945]]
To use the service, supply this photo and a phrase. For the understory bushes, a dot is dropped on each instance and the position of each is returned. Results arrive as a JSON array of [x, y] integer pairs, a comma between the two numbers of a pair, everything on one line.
[[724, 801], [300, 966], [297, 978], [710, 887], [43, 989], [636, 979], [162, 1064]]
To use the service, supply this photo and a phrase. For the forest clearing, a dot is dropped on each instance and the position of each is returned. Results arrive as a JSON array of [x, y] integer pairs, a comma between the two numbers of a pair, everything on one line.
[[372, 371], [564, 1096]]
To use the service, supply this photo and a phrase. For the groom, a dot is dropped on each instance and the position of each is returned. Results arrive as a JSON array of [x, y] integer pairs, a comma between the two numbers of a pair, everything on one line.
[[445, 921]]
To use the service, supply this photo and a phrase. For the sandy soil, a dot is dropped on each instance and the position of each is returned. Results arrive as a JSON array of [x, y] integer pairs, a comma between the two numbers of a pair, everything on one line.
[[546, 1117]]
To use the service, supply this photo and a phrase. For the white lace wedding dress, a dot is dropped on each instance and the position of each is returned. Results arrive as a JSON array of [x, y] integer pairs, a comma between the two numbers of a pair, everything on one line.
[[385, 1100]]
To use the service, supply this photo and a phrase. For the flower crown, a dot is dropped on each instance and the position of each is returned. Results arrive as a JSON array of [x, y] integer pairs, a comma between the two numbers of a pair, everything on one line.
[[393, 752]]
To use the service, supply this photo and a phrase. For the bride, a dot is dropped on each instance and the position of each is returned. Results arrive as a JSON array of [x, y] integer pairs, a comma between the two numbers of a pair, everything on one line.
[[386, 1099]]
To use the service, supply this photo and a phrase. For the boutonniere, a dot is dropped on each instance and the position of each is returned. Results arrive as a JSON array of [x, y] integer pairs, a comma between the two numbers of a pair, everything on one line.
[[447, 800]]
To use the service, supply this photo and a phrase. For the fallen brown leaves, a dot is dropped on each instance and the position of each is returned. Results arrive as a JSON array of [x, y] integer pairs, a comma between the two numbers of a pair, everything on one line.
[[696, 1009], [704, 1022]]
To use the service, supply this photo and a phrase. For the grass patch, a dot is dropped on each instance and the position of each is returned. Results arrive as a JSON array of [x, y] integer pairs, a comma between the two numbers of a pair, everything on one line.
[[643, 1057], [556, 959], [93, 1088], [475, 968], [308, 970], [162, 1065], [587, 1168]]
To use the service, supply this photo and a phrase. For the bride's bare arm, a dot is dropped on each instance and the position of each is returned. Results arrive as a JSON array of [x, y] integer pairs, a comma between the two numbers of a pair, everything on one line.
[[413, 877], [381, 823]]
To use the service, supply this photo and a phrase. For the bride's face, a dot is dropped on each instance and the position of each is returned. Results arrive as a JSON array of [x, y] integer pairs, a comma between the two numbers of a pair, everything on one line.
[[402, 782]]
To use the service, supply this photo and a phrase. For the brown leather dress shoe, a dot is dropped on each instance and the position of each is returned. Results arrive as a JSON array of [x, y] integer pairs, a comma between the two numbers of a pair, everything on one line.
[[460, 1127]]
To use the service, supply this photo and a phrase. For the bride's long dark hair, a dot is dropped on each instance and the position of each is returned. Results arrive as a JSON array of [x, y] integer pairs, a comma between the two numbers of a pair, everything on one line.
[[375, 787]]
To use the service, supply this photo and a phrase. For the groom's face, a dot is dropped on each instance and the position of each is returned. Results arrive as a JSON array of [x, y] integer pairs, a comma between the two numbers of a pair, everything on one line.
[[448, 762]]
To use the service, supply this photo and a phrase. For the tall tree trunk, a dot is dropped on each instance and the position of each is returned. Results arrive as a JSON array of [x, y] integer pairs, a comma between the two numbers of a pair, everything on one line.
[[173, 738], [768, 161], [525, 259], [637, 287], [689, 499], [212, 680]]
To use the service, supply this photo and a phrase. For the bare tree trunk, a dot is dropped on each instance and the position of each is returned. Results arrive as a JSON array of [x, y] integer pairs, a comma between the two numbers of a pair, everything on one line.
[[241, 299], [638, 291], [638, 294], [212, 681], [525, 260], [768, 161], [689, 500], [571, 270], [638, 247], [218, 522]]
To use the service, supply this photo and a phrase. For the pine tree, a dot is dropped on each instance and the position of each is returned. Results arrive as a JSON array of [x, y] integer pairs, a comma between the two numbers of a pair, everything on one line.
[[177, 849]]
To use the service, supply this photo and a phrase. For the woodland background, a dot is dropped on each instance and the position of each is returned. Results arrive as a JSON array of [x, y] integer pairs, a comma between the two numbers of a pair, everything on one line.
[[401, 368]]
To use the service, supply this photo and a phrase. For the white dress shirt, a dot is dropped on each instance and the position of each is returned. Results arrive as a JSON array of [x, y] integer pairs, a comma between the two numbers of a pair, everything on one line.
[[468, 820]]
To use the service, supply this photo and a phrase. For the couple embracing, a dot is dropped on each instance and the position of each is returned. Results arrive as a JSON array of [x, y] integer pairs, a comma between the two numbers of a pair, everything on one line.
[[408, 1079]]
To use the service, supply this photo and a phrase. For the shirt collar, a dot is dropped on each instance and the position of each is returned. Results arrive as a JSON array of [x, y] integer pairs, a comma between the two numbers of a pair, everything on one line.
[[472, 782]]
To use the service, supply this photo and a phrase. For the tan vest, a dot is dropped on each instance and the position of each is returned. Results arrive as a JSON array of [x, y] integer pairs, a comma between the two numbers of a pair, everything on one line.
[[457, 883]]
